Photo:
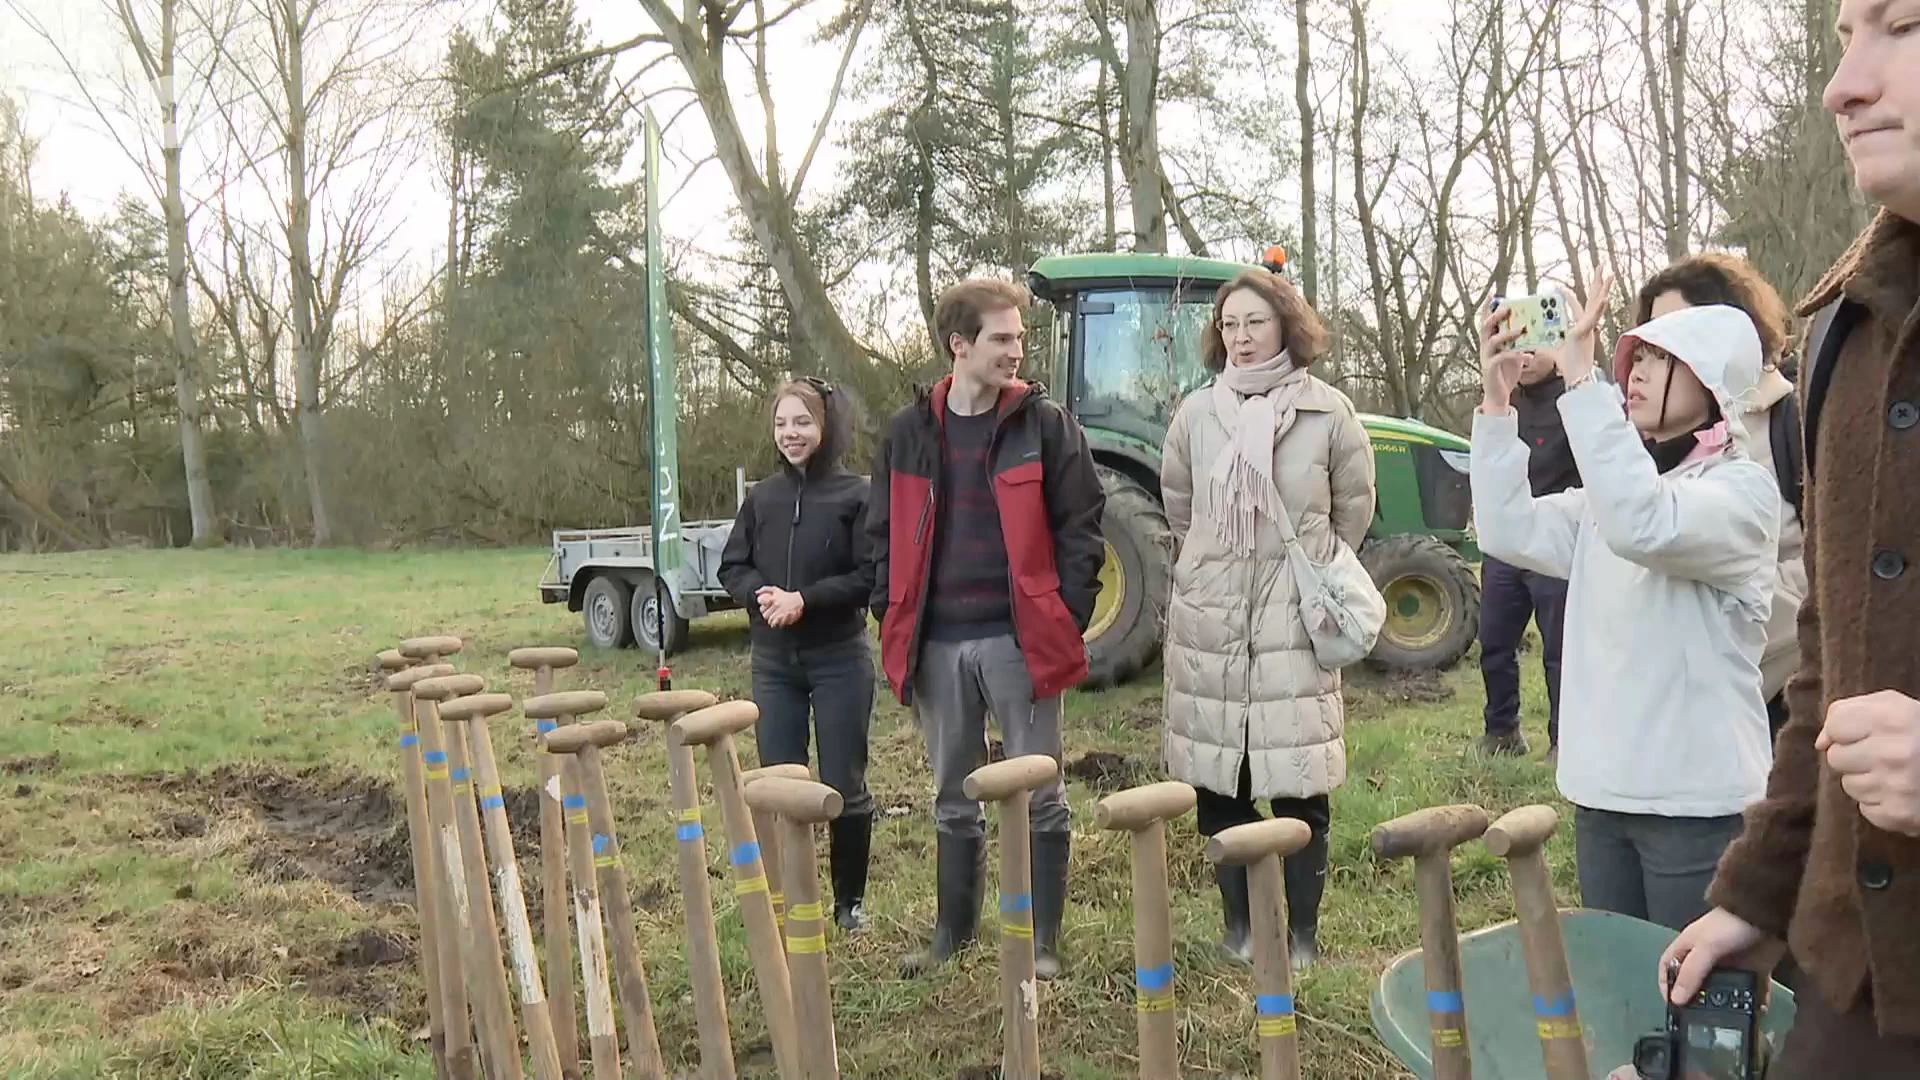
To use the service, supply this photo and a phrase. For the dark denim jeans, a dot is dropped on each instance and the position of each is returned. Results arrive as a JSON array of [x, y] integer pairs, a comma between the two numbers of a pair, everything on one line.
[[831, 685], [1509, 597]]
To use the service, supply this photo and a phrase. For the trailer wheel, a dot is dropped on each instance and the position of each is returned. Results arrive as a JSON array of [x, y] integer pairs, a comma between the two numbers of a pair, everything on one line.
[[605, 609], [649, 598]]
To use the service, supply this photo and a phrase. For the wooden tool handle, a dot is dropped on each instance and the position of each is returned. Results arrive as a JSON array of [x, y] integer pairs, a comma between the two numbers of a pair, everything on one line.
[[796, 800], [544, 656], [790, 771], [403, 682], [577, 737], [393, 660], [1246, 844], [475, 706], [1522, 831], [1426, 832], [437, 645], [992, 783], [1136, 808], [443, 687], [666, 706], [703, 727], [565, 703]]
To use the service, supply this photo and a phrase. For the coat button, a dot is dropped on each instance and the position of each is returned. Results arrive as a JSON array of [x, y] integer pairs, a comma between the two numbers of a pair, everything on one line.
[[1888, 564], [1876, 875], [1902, 415]]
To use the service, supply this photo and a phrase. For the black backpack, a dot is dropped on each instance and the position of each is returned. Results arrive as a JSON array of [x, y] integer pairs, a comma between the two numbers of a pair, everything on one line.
[[1783, 431]]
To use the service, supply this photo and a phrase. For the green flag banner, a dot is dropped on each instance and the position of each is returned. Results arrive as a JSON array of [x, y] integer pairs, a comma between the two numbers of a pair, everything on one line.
[[662, 397]]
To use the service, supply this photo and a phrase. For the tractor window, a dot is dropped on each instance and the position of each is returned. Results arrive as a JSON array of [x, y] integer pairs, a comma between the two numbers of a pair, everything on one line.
[[1139, 349]]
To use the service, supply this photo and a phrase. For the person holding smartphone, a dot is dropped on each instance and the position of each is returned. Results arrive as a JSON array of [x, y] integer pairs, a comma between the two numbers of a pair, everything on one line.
[[797, 561], [1668, 550]]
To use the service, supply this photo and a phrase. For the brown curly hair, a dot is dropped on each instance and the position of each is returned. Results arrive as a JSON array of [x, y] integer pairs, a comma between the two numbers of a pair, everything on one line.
[[1301, 332], [1721, 277]]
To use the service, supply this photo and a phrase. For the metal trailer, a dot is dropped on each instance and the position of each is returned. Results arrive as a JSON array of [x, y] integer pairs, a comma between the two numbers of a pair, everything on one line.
[[607, 575]]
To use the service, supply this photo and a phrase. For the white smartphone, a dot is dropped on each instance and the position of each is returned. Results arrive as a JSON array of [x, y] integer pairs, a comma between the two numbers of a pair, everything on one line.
[[1542, 319]]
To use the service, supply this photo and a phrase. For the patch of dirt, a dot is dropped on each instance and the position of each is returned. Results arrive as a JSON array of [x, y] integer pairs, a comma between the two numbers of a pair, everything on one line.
[[128, 660], [21, 766], [23, 791], [1406, 687], [99, 713], [1107, 772], [373, 948]]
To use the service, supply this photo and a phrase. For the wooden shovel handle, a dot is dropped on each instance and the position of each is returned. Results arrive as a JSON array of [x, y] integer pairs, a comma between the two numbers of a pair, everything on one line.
[[444, 687], [1136, 808], [796, 800], [435, 645], [544, 656], [1521, 832], [577, 737], [403, 682], [1243, 845], [1427, 832], [565, 703], [992, 783], [666, 706], [703, 727]]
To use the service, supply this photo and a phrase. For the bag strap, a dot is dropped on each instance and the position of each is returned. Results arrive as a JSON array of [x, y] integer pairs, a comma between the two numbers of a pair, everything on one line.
[[1831, 327], [1783, 431]]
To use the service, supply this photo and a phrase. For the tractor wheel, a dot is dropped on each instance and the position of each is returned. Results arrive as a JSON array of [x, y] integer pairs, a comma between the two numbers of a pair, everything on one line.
[[1433, 602], [1123, 636]]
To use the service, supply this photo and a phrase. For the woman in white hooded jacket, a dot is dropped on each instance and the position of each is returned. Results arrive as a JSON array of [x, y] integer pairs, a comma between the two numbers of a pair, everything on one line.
[[1669, 552]]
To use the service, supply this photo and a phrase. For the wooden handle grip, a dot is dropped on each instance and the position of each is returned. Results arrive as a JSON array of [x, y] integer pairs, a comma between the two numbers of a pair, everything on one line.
[[991, 783], [1521, 832], [1249, 843], [442, 687], [1428, 832], [547, 656], [706, 725], [565, 703], [437, 645], [667, 706], [1136, 808], [577, 737], [475, 706], [403, 682], [796, 800], [790, 771], [393, 660]]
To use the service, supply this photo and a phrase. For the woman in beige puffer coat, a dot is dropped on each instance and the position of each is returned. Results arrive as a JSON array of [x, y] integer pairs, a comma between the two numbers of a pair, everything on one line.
[[1250, 714]]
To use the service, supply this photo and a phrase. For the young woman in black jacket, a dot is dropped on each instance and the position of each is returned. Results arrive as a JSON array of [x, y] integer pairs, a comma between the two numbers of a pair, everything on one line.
[[797, 561]]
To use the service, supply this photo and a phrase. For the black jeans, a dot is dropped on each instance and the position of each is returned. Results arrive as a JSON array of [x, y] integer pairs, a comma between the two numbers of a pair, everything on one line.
[[1215, 812], [1509, 597], [833, 683], [1647, 866]]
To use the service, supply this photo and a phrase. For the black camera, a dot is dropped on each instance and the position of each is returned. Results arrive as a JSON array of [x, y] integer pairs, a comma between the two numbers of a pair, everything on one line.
[[1716, 1036]]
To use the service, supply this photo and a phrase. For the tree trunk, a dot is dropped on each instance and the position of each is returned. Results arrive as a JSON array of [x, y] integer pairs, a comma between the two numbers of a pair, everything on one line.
[[1309, 213], [186, 387], [1103, 103], [1678, 15], [1143, 141], [306, 351]]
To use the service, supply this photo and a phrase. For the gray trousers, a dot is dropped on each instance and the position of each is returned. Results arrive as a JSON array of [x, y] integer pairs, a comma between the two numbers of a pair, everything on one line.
[[1650, 867], [956, 686]]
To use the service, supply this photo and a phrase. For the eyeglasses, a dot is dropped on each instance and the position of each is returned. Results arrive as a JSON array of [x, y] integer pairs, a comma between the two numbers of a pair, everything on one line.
[[1231, 327]]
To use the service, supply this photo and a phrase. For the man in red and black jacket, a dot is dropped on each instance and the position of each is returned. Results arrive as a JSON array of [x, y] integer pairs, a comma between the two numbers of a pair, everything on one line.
[[984, 528]]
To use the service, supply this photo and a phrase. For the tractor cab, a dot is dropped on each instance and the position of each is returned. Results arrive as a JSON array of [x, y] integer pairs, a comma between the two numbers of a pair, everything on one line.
[[1124, 344]]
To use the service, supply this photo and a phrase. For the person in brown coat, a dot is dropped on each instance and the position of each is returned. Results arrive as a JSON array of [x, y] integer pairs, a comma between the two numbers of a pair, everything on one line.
[[1830, 860]]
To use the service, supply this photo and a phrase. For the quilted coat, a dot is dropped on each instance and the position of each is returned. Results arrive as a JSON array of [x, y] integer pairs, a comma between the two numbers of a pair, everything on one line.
[[1241, 680]]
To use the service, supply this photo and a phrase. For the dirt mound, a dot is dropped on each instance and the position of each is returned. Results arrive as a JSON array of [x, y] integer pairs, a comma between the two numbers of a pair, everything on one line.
[[21, 766], [1107, 772], [1402, 687]]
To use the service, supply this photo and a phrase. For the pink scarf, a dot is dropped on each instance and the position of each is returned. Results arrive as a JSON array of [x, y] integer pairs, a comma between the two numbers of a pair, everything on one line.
[[1256, 403]]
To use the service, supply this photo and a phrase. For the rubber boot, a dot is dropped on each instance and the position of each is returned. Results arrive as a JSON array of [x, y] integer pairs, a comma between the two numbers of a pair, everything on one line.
[[961, 869], [1304, 873], [1236, 910], [1050, 851], [849, 840]]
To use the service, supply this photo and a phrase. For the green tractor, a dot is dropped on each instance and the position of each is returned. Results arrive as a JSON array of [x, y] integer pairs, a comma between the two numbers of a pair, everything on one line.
[[1125, 347]]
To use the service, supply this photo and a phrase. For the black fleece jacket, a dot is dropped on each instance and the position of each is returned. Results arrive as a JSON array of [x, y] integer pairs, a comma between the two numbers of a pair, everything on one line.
[[803, 530]]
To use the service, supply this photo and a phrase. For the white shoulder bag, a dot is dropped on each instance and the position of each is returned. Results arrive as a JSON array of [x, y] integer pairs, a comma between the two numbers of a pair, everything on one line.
[[1342, 609]]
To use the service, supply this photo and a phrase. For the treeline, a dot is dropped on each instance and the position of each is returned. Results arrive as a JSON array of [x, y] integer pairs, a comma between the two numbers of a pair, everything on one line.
[[229, 358]]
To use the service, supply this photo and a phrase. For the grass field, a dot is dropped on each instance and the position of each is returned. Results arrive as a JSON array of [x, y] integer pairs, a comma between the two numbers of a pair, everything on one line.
[[204, 868]]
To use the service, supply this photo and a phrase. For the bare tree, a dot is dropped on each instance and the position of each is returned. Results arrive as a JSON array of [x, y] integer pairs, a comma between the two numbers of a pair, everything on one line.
[[1309, 206]]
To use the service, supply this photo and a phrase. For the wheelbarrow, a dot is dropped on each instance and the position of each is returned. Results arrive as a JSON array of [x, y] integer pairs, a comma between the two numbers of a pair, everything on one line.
[[1614, 961]]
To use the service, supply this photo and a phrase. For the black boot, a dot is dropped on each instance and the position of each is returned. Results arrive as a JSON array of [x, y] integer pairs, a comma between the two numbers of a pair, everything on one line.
[[961, 868], [849, 839], [1304, 874], [1236, 910], [1050, 850]]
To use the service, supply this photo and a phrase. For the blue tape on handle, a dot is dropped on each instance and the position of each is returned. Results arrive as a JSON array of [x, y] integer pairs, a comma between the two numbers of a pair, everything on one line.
[[461, 776], [1445, 1001], [690, 830], [435, 757], [1015, 902], [1559, 1006], [1154, 979], [493, 802], [574, 802], [601, 842], [746, 853], [544, 726], [1273, 1004], [409, 739]]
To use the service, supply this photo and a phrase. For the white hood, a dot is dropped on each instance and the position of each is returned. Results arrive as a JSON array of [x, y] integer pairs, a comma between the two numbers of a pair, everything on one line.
[[1718, 342]]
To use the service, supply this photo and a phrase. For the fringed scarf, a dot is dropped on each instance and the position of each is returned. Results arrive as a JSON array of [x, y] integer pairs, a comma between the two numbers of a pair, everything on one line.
[[1256, 402]]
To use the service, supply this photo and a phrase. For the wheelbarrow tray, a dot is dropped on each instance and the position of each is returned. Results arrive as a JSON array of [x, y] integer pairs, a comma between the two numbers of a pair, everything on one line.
[[1613, 960]]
